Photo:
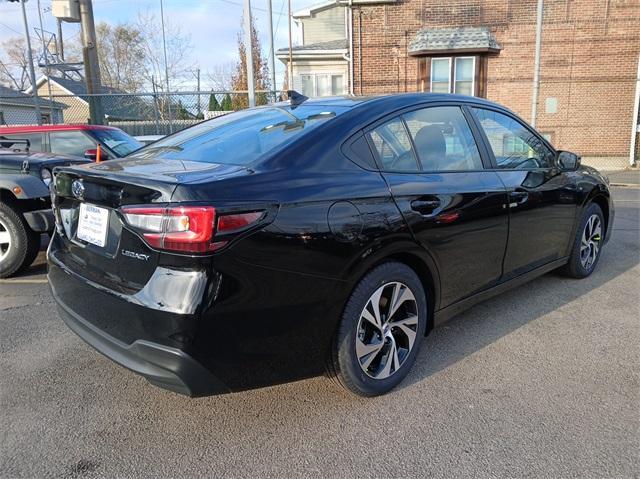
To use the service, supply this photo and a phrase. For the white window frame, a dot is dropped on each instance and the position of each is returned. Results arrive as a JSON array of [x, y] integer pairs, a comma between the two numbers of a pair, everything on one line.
[[431, 75], [452, 72], [473, 75], [314, 78]]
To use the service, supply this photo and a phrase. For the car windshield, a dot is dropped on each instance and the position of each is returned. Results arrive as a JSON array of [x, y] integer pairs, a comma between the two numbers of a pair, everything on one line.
[[118, 141], [240, 138]]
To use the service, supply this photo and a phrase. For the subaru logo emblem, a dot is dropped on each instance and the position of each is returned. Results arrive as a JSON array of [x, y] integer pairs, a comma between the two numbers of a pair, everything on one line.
[[77, 188]]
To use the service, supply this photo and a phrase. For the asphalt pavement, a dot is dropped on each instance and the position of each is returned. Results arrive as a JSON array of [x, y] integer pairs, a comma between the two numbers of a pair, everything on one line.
[[543, 381]]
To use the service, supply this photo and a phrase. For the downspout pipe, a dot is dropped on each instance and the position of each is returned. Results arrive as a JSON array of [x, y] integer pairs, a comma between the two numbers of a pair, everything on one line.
[[635, 124], [351, 52], [536, 64]]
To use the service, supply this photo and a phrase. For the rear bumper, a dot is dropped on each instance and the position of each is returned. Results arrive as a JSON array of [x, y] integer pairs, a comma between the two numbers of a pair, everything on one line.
[[164, 366]]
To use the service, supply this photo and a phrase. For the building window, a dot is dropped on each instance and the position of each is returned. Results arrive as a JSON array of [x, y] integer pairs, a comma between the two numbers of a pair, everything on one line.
[[45, 118], [2, 122], [453, 75], [322, 84], [464, 75]]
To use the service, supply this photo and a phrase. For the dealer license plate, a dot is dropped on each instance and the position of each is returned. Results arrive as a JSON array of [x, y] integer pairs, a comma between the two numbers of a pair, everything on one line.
[[93, 224]]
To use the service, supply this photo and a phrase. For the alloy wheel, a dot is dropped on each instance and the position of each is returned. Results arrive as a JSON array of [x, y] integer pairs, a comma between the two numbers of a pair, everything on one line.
[[386, 330], [590, 244], [5, 241]]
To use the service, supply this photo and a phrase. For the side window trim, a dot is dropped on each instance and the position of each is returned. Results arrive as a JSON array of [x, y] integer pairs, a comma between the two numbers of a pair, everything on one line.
[[376, 155], [510, 115]]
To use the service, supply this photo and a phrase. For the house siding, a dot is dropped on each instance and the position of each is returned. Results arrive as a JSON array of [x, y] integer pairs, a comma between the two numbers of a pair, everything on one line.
[[26, 115], [324, 26], [588, 63], [77, 111]]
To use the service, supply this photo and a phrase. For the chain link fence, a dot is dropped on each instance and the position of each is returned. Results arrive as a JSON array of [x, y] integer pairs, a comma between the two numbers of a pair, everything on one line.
[[136, 113]]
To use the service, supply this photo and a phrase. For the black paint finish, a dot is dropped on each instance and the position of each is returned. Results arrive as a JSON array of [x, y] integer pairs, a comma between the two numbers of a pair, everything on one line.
[[265, 308]]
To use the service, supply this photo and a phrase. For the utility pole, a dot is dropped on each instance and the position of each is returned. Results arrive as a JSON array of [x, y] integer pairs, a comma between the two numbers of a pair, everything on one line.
[[45, 53], [272, 61], [91, 64], [536, 65], [166, 67], [32, 72], [249, 53], [290, 64], [60, 42]]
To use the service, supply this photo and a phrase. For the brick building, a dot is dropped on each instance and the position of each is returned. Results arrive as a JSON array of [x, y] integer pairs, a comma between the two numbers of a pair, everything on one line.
[[590, 51], [588, 71]]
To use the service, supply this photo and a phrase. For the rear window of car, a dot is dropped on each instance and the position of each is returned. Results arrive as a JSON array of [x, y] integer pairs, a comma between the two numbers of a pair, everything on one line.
[[119, 142], [240, 138]]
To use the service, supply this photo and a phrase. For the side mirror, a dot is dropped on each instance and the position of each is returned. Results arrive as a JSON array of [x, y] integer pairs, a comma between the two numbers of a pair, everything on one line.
[[91, 154], [568, 161]]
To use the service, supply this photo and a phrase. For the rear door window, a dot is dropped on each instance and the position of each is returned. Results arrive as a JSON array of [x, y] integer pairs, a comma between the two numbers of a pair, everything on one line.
[[35, 140], [73, 143]]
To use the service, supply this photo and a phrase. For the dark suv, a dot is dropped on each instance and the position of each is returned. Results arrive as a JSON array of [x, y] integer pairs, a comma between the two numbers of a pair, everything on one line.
[[25, 204]]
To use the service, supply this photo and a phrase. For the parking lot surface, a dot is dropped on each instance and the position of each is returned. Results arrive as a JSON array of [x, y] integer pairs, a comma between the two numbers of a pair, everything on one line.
[[543, 381]]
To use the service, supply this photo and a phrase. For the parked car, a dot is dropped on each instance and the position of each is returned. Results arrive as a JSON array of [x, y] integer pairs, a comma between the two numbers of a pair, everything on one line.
[[74, 140], [147, 139], [25, 204], [275, 243]]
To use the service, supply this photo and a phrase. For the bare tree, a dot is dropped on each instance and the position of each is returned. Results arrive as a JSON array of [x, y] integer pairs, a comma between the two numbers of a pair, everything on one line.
[[121, 56], [14, 63], [221, 76], [179, 49]]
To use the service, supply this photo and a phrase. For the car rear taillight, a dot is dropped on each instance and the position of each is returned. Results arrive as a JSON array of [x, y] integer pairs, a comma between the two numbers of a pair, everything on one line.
[[191, 229]]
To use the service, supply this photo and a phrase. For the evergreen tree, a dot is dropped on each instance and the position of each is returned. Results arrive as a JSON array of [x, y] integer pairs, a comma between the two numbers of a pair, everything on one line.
[[213, 103], [227, 103]]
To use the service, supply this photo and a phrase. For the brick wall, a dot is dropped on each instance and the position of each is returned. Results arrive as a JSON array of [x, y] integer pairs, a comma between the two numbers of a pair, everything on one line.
[[589, 60]]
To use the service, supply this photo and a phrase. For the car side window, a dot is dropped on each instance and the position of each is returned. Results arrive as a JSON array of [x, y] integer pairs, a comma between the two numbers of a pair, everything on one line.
[[514, 146], [443, 139], [35, 141], [70, 142], [393, 145]]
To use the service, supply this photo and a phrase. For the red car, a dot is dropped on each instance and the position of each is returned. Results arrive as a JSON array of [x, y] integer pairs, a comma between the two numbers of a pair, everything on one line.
[[74, 140]]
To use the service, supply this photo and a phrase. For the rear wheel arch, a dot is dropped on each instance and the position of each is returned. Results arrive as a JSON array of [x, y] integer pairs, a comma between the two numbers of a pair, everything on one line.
[[427, 278], [603, 202]]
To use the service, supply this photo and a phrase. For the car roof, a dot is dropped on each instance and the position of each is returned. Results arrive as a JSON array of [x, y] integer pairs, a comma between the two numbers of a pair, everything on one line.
[[393, 98], [37, 128]]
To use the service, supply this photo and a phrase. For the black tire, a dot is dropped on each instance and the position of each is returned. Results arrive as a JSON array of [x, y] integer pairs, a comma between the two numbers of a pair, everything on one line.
[[25, 243], [345, 366], [576, 268]]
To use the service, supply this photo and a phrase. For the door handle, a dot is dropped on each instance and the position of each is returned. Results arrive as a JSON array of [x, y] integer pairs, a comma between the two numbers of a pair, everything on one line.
[[519, 196], [425, 206]]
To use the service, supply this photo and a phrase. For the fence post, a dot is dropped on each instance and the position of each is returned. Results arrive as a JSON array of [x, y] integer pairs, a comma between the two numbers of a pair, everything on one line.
[[155, 114]]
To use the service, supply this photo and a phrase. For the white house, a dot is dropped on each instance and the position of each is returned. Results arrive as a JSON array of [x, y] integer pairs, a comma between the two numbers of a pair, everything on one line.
[[320, 60]]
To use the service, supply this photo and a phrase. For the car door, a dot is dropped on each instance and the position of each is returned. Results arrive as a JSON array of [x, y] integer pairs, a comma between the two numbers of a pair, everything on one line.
[[455, 208], [542, 199]]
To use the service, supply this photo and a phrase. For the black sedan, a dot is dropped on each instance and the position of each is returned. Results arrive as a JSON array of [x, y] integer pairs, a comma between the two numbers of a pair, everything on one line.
[[313, 236]]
